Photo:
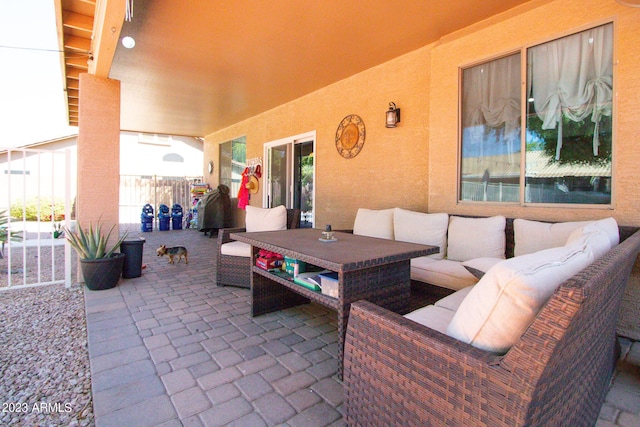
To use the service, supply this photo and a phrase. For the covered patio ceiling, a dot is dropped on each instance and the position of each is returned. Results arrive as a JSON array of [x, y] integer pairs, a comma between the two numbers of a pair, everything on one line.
[[200, 66]]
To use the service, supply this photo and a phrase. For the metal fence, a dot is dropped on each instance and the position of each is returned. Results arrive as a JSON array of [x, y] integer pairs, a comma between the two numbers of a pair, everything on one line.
[[495, 192], [138, 190], [36, 197]]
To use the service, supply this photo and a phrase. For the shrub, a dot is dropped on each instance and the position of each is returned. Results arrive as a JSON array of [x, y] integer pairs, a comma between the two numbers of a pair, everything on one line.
[[30, 209]]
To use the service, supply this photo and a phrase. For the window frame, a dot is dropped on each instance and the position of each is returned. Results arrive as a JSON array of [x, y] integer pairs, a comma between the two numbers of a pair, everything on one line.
[[523, 51], [223, 180]]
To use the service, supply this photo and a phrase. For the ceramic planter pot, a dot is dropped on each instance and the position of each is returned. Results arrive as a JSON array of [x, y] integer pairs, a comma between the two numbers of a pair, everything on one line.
[[103, 273]]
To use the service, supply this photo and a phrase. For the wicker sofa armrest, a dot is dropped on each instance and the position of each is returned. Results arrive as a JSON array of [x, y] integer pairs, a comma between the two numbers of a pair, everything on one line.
[[225, 233], [414, 374]]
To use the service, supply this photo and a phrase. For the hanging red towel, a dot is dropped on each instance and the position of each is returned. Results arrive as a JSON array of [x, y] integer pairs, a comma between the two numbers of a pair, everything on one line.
[[243, 193]]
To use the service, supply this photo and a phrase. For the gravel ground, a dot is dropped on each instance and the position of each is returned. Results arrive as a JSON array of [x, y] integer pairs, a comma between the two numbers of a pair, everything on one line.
[[45, 376], [33, 270]]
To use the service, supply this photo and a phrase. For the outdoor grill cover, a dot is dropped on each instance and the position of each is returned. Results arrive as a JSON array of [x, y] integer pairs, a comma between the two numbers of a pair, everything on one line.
[[214, 210]]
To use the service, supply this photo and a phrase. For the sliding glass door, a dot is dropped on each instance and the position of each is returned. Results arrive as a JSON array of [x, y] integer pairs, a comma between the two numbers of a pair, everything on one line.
[[290, 175], [278, 177]]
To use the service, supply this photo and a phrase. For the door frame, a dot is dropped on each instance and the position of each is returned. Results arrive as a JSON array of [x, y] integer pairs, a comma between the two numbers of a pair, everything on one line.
[[292, 141]]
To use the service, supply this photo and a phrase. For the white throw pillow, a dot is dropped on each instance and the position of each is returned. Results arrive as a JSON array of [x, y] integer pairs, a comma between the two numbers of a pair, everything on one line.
[[423, 228], [592, 237], [534, 236], [476, 237], [261, 219], [608, 226], [503, 304], [374, 223]]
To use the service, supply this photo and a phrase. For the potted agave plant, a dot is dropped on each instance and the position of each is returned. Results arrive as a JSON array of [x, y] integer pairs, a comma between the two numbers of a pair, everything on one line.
[[101, 267]]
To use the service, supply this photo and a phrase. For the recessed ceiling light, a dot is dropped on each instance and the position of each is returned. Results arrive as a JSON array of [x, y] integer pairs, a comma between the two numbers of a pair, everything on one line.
[[128, 42]]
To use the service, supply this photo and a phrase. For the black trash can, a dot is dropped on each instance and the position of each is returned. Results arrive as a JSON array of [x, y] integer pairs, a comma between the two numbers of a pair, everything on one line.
[[132, 248]]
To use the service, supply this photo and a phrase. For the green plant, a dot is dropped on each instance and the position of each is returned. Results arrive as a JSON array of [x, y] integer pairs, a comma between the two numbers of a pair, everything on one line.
[[5, 233], [57, 230], [43, 209], [92, 243]]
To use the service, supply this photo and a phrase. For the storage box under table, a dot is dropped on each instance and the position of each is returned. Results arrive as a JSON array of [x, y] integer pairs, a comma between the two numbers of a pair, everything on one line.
[[329, 284]]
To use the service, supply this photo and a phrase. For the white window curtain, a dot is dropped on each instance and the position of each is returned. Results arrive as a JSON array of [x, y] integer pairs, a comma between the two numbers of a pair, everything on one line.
[[573, 76], [491, 97]]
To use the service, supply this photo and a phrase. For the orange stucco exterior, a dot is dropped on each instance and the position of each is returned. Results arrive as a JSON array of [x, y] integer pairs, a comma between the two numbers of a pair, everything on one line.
[[415, 166], [98, 151]]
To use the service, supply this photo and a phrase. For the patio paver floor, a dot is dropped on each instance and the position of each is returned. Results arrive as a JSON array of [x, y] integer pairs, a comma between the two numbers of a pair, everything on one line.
[[170, 348]]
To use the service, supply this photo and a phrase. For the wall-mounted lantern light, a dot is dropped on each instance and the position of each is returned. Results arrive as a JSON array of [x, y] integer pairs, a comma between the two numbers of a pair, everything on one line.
[[393, 115]]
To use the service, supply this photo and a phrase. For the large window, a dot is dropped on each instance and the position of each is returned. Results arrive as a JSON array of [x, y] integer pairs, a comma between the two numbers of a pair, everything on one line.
[[567, 122], [233, 157]]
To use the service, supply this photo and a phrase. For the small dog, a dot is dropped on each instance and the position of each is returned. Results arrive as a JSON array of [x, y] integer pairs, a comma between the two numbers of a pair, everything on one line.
[[176, 251]]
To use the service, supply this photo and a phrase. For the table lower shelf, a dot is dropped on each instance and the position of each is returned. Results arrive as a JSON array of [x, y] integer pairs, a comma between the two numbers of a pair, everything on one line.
[[287, 281]]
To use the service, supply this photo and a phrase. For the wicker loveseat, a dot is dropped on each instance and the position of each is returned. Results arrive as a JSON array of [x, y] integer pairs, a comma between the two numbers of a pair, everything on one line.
[[399, 372], [234, 270]]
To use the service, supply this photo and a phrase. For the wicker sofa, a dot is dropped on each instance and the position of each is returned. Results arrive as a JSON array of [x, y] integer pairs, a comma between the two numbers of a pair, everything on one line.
[[399, 372], [233, 270]]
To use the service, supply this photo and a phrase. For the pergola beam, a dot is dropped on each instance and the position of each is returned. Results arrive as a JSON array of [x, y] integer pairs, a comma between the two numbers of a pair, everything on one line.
[[108, 21]]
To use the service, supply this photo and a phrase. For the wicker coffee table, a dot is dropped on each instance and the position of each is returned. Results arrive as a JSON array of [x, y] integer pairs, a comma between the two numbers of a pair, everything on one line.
[[377, 270]]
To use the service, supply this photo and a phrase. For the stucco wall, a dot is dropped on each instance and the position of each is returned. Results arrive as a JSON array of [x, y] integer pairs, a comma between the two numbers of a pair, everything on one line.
[[390, 170], [132, 150], [415, 165]]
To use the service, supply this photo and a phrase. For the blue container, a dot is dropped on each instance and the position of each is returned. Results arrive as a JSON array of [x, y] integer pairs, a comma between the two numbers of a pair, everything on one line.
[[163, 217], [146, 225], [176, 217], [163, 224], [146, 218]]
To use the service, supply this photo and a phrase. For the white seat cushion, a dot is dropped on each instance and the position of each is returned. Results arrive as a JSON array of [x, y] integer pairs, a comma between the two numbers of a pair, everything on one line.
[[374, 223], [437, 318], [236, 249], [452, 302], [426, 229], [441, 272], [261, 219], [476, 237], [502, 305]]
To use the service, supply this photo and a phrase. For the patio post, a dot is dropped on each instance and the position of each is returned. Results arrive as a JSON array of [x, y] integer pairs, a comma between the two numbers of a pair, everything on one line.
[[98, 151]]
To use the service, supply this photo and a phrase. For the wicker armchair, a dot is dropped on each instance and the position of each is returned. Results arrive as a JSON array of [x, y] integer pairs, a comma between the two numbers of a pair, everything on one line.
[[236, 270], [397, 372]]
